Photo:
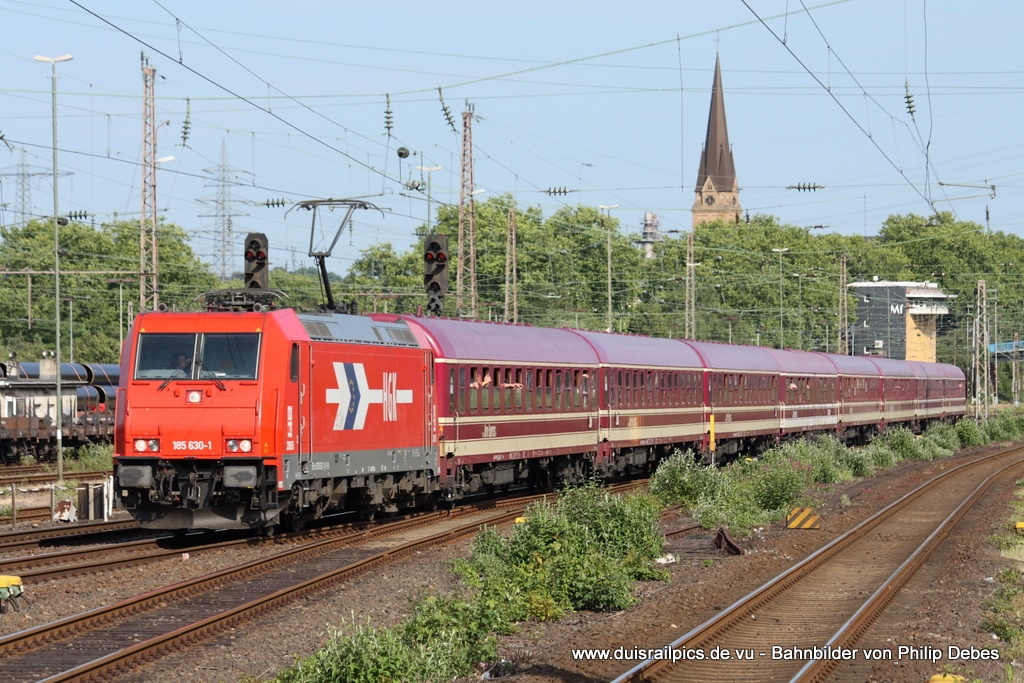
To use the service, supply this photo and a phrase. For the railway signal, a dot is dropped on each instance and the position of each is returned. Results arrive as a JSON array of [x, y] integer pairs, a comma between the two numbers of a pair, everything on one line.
[[257, 272], [435, 271]]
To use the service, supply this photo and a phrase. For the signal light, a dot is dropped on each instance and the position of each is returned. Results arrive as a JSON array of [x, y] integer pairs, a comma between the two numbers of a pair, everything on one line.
[[257, 270], [435, 271]]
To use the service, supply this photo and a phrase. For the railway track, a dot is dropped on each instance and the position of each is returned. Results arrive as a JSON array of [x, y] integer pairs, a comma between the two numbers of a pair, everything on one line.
[[33, 514], [43, 477], [26, 539], [17, 470], [133, 631], [828, 600]]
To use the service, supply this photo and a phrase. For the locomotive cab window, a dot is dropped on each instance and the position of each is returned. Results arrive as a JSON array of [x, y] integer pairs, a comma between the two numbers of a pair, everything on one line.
[[197, 356]]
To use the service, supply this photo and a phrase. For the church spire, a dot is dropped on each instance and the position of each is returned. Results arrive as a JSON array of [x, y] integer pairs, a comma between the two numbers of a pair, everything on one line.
[[717, 189]]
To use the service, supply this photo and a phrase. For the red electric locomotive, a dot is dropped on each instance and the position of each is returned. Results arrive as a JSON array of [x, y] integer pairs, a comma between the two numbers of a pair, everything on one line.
[[241, 419]]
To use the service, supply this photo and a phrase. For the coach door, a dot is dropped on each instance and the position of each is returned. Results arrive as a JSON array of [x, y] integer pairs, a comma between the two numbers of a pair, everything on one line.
[[429, 417], [305, 402]]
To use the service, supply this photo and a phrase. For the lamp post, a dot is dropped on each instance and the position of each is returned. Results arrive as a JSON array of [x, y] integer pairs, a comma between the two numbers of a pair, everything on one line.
[[56, 267], [608, 229], [781, 325], [430, 211], [120, 309]]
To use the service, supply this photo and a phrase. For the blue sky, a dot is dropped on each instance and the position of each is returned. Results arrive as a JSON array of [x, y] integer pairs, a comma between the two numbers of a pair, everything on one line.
[[607, 99]]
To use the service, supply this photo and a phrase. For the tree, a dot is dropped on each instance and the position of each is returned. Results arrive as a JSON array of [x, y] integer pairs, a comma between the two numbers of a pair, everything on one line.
[[29, 318]]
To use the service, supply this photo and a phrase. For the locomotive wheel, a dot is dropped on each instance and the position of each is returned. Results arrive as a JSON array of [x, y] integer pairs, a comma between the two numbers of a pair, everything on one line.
[[267, 530], [367, 513], [294, 522]]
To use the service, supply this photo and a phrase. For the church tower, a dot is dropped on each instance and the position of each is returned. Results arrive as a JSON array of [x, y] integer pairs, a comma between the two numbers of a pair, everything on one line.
[[717, 191]]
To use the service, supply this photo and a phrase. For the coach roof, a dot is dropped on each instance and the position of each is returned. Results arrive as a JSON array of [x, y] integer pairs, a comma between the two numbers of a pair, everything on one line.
[[730, 357], [466, 340], [626, 349], [794, 362]]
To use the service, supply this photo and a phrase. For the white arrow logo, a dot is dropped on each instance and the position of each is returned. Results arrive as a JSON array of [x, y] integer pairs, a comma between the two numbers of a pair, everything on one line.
[[354, 396]]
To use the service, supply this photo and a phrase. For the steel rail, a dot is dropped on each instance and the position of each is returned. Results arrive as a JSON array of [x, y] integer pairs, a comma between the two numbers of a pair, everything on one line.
[[647, 669], [192, 633], [50, 477], [23, 642], [858, 624], [28, 515], [32, 538]]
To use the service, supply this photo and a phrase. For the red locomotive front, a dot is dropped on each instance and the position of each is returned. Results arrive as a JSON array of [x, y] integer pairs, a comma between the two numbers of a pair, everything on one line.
[[239, 420]]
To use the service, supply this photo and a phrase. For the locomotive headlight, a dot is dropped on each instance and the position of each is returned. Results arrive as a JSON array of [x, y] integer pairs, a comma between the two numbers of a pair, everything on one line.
[[245, 445], [140, 445], [194, 396], [232, 445], [154, 445]]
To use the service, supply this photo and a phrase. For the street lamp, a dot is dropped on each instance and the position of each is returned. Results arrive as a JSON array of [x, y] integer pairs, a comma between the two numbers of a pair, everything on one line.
[[781, 326], [56, 267], [430, 212], [608, 211]]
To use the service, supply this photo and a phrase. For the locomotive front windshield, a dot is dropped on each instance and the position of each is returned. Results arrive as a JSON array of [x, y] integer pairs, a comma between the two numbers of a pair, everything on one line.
[[211, 355]]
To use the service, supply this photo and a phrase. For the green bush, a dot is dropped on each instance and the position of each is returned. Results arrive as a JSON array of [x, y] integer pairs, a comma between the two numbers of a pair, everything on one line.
[[859, 462], [881, 455], [944, 434], [969, 433], [442, 640], [583, 551], [684, 481], [92, 458], [903, 443], [779, 485]]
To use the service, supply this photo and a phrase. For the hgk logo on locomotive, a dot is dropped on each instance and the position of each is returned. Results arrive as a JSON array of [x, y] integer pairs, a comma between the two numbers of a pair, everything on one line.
[[354, 396]]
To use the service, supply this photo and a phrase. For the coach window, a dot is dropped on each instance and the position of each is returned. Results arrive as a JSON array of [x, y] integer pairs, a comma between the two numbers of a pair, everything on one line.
[[558, 390], [462, 389], [541, 404], [293, 366], [493, 390], [485, 384], [549, 389], [473, 389], [517, 388]]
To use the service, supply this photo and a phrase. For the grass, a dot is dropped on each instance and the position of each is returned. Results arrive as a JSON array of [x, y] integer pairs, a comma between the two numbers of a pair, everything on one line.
[[584, 550], [750, 493]]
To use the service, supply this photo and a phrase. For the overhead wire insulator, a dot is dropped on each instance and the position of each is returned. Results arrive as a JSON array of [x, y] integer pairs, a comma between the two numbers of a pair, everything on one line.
[[806, 187], [78, 216], [272, 203], [388, 118], [447, 112], [185, 126], [909, 99], [558, 191]]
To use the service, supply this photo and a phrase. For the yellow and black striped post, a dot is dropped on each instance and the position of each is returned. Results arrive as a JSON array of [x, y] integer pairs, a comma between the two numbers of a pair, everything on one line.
[[803, 518]]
